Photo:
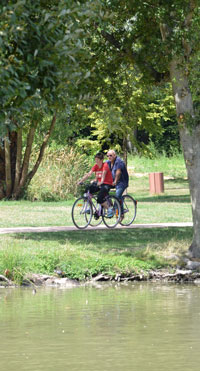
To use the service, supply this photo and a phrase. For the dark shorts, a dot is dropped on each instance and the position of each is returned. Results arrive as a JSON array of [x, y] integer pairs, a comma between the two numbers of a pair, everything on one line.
[[102, 190]]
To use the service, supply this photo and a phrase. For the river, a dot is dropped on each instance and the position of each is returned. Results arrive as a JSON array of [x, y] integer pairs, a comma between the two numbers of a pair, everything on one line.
[[135, 326]]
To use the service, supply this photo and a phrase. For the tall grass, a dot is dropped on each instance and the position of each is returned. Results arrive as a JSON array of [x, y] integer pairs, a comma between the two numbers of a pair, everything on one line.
[[56, 178]]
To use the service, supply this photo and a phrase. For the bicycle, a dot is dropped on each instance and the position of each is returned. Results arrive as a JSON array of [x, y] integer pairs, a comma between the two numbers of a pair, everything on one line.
[[129, 210], [86, 211]]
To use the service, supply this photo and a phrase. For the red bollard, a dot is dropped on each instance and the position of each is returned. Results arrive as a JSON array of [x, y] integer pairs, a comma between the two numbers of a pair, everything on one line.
[[156, 183]]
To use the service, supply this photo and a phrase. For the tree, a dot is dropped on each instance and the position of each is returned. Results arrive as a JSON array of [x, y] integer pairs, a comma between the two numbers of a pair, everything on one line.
[[40, 74], [161, 38], [123, 104]]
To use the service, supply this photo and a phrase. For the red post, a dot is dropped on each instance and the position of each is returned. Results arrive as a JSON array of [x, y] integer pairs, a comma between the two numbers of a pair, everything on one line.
[[156, 183]]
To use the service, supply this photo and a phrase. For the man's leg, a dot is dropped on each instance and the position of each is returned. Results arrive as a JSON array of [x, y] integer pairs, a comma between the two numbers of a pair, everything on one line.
[[119, 193]]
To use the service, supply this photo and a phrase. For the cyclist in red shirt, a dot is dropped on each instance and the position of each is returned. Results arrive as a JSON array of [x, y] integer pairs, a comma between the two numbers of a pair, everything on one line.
[[104, 180]]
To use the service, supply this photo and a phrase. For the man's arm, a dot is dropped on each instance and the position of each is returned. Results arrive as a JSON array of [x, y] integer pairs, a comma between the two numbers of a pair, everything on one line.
[[117, 176]]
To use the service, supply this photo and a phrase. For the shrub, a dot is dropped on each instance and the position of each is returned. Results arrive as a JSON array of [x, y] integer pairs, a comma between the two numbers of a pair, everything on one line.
[[57, 176]]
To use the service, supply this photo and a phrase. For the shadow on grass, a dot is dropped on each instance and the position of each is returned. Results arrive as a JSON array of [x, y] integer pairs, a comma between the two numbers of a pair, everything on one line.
[[125, 242], [182, 181]]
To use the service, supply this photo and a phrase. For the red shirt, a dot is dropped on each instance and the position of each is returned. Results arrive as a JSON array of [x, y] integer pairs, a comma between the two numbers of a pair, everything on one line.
[[99, 171]]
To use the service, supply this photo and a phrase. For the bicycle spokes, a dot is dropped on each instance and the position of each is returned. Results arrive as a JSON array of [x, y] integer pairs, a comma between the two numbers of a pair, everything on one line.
[[81, 213], [129, 210], [111, 215]]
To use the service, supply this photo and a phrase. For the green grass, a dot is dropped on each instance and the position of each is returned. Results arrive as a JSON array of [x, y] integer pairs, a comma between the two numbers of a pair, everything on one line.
[[170, 166], [171, 206], [84, 254]]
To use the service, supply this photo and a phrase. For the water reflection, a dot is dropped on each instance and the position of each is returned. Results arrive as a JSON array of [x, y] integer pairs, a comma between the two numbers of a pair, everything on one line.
[[109, 327]]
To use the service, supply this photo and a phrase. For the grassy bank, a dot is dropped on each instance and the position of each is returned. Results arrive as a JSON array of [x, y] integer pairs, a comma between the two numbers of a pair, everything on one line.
[[84, 254]]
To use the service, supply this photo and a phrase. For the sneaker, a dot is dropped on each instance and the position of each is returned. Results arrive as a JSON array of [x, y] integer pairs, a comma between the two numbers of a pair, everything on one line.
[[87, 211], [96, 215], [110, 213]]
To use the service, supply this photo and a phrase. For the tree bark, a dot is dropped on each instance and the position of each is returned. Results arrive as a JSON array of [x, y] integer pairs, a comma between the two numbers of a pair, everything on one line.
[[189, 132], [2, 172], [24, 171], [125, 150], [8, 177], [191, 149], [190, 141], [18, 162], [21, 178]]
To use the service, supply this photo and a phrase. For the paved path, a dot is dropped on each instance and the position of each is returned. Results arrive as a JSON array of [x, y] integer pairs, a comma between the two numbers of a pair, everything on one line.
[[72, 228]]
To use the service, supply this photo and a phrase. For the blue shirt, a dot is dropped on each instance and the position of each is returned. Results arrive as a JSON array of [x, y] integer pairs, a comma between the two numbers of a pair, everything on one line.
[[124, 178]]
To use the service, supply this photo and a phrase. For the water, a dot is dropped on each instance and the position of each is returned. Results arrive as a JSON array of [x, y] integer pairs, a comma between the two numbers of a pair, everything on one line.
[[110, 327]]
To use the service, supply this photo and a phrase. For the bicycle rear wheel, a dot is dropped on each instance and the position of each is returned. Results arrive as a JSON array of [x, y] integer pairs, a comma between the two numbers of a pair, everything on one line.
[[81, 213], [112, 215], [96, 220], [129, 210]]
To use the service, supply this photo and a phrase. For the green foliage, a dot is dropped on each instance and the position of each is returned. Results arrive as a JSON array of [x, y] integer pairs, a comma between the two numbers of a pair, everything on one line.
[[167, 141], [57, 177], [139, 40], [126, 106], [40, 51]]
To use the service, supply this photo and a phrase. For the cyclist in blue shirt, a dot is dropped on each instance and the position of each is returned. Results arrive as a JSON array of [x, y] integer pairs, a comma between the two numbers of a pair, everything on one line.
[[119, 174]]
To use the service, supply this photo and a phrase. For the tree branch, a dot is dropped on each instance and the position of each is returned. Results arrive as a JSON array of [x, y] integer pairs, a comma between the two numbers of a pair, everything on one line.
[[42, 149], [133, 57], [27, 156], [188, 19]]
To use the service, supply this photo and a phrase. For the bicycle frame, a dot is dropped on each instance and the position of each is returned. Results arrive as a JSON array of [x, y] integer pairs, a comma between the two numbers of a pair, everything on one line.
[[89, 197], [86, 212]]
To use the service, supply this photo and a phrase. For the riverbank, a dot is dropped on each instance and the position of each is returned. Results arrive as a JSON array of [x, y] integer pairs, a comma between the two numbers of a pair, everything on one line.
[[35, 281], [83, 255], [118, 254]]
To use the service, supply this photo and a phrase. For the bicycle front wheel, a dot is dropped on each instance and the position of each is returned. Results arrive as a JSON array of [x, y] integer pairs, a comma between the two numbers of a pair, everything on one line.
[[112, 215], [81, 213], [129, 210]]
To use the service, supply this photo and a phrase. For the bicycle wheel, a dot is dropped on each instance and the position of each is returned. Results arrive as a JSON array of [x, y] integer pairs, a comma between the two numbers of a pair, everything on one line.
[[96, 220], [81, 213], [129, 210], [112, 215]]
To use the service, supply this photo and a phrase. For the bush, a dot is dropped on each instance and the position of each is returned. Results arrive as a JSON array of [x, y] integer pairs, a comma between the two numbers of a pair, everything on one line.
[[57, 176]]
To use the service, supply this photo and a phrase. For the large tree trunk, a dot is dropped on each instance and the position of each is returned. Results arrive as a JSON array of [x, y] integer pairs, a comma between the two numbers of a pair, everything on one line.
[[190, 140], [18, 162], [2, 172], [8, 178], [189, 129], [27, 155], [15, 175], [191, 148]]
